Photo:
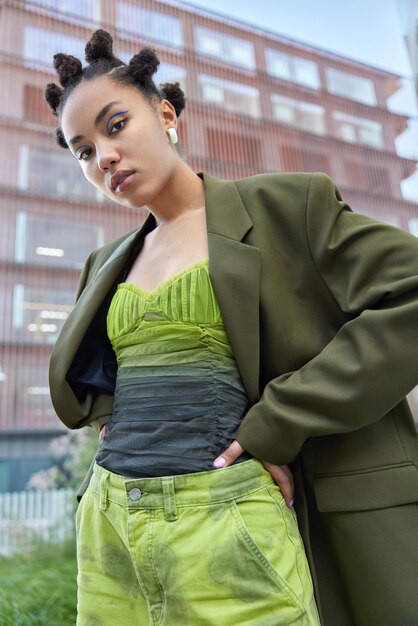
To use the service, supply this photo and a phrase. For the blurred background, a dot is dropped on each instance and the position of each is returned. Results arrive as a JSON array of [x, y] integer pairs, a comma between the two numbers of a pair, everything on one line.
[[289, 85]]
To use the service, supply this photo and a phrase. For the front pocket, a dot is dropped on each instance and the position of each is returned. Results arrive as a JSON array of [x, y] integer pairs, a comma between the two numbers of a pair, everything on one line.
[[263, 529]]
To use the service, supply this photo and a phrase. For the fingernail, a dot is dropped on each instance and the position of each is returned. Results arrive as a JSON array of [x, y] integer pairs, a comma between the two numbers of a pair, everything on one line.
[[219, 462], [291, 503]]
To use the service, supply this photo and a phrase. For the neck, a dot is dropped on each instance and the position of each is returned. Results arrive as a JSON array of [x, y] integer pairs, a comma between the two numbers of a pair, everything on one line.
[[182, 194]]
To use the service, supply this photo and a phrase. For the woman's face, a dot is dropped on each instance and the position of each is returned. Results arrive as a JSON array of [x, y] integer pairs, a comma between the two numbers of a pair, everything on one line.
[[120, 140]]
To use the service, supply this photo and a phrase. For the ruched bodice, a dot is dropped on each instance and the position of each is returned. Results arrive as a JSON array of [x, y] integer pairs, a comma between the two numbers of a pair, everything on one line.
[[187, 297], [179, 397]]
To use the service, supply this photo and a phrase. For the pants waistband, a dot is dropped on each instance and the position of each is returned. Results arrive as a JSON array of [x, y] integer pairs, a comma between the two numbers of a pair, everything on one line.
[[167, 492]]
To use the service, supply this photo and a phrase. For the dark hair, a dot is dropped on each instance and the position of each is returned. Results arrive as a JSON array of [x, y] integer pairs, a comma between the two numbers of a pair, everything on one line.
[[101, 61]]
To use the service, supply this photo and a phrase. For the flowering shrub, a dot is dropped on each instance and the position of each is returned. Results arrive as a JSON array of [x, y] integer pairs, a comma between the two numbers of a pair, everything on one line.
[[72, 453]]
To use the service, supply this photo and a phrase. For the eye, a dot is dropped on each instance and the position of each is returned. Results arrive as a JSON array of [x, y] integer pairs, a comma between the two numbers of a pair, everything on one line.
[[117, 125], [83, 155]]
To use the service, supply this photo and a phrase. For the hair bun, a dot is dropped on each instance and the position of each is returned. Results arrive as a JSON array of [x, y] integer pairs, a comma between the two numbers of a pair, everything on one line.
[[68, 68], [99, 47], [143, 65], [53, 95], [174, 94]]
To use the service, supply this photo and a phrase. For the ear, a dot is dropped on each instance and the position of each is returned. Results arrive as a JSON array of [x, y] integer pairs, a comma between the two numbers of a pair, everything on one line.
[[167, 114]]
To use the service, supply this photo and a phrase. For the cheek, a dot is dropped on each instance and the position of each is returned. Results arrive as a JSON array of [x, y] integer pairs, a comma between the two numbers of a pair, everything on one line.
[[88, 176], [92, 177], [90, 173]]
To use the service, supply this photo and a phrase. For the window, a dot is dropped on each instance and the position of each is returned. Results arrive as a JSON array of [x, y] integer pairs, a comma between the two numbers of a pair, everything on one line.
[[83, 8], [33, 406], [54, 172], [41, 44], [297, 160], [378, 180], [295, 69], [39, 314], [169, 73], [350, 86], [306, 115], [225, 47], [47, 240], [166, 73], [354, 174], [35, 108], [358, 130], [363, 175], [152, 25], [233, 147], [231, 96]]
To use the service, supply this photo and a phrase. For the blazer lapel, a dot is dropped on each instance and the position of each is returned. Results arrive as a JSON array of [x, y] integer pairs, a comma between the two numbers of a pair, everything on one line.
[[106, 277], [91, 299], [234, 268]]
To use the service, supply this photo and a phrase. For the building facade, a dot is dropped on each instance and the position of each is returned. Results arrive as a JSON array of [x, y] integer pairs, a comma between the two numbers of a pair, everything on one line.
[[256, 102]]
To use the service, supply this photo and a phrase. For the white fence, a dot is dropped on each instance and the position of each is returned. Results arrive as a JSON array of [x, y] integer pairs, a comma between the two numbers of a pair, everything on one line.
[[25, 515]]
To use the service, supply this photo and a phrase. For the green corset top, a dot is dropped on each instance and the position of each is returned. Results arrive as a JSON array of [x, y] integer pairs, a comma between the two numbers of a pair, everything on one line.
[[179, 397]]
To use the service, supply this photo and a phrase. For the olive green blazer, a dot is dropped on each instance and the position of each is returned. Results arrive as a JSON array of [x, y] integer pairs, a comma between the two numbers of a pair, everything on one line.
[[321, 308]]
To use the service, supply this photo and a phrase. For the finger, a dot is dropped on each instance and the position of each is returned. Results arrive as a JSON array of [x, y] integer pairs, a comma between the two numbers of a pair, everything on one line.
[[282, 475], [229, 455], [102, 432]]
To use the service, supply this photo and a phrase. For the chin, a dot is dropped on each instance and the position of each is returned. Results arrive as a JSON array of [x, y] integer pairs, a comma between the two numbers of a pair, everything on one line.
[[132, 203]]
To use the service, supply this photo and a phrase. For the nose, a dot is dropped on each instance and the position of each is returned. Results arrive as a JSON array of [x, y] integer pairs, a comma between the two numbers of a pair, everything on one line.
[[107, 158]]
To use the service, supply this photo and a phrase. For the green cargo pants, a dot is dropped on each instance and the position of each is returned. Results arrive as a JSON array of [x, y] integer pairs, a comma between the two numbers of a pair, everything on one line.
[[212, 548]]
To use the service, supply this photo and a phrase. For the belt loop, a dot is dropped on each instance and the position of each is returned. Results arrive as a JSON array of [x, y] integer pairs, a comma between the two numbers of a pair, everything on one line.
[[169, 498], [104, 499]]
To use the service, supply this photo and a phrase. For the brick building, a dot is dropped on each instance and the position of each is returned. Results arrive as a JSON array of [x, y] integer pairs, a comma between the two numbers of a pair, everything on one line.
[[257, 102]]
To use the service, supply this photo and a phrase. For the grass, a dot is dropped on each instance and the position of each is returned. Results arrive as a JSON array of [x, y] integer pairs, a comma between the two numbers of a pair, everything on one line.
[[38, 588]]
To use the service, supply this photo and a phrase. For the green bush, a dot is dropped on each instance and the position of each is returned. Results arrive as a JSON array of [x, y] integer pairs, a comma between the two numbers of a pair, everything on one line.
[[38, 588]]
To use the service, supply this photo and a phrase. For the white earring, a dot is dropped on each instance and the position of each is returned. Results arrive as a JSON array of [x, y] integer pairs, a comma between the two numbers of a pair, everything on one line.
[[172, 135]]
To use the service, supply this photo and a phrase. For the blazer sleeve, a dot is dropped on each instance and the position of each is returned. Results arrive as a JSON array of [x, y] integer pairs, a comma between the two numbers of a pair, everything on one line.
[[371, 269]]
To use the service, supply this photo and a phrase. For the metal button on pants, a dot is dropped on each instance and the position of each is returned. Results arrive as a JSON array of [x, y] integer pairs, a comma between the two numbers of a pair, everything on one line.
[[134, 494]]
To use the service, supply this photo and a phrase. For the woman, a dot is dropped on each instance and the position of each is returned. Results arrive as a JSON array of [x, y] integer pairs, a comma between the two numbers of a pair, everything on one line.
[[298, 346]]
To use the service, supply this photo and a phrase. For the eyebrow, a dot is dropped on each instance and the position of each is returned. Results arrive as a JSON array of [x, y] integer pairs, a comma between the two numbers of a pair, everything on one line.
[[97, 121]]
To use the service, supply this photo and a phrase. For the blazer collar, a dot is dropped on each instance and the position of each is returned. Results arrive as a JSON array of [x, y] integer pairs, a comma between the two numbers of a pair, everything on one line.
[[225, 212]]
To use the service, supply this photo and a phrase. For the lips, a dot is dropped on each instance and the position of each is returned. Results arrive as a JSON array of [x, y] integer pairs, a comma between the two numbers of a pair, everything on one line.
[[121, 180]]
